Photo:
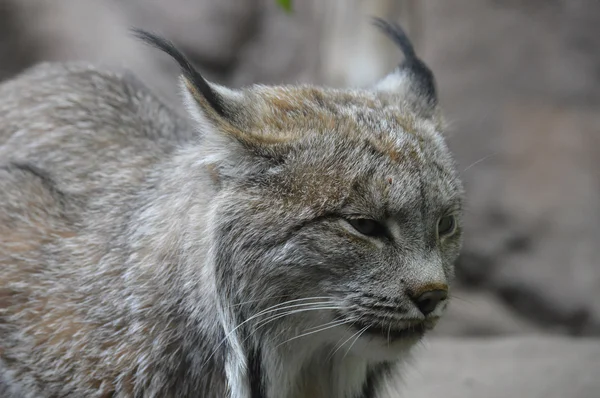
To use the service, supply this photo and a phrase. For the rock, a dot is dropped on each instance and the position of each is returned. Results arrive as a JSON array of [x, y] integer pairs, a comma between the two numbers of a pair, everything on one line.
[[531, 367], [16, 49], [85, 30]]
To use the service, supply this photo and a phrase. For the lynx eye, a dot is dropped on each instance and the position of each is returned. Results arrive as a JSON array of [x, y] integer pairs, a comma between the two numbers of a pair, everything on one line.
[[446, 226], [368, 227]]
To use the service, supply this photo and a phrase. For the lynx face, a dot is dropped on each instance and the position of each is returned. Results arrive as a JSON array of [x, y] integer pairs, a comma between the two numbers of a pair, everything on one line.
[[338, 212], [361, 219]]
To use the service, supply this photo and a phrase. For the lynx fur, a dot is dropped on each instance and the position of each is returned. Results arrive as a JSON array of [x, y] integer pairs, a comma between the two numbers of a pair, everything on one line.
[[282, 242]]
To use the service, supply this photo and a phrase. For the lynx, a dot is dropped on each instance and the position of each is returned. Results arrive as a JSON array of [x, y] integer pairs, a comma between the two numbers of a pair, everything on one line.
[[284, 241]]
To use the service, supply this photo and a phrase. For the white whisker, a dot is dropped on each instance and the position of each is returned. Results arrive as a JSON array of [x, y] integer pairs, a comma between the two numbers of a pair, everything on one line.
[[274, 297], [480, 160], [320, 329], [277, 307], [328, 323], [345, 341], [278, 316], [355, 340]]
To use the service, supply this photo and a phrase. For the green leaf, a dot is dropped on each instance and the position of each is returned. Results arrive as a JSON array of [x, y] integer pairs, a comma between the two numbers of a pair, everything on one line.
[[285, 4]]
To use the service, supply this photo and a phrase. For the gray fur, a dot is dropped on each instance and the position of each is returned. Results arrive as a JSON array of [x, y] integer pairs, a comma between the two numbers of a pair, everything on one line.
[[138, 249]]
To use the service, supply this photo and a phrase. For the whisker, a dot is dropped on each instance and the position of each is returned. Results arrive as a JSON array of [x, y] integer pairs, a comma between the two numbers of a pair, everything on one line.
[[345, 341], [274, 297], [480, 160], [278, 316], [338, 323], [464, 300], [355, 340], [283, 306], [316, 327], [328, 323], [280, 306]]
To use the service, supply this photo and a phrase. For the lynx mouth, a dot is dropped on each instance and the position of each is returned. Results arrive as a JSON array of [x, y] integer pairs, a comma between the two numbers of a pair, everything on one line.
[[416, 330]]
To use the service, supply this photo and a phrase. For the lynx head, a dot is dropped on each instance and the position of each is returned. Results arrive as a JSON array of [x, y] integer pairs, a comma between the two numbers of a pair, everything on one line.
[[334, 209]]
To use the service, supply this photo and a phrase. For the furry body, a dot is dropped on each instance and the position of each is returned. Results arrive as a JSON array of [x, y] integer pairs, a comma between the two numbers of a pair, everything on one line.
[[142, 254]]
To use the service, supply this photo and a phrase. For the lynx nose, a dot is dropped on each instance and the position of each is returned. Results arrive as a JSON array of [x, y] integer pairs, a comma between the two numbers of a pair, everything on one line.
[[429, 300]]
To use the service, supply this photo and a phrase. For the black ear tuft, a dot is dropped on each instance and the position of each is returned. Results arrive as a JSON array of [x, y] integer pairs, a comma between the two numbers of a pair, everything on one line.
[[188, 70], [421, 73]]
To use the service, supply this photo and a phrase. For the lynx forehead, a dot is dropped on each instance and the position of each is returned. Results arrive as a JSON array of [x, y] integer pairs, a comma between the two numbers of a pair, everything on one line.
[[291, 241], [286, 114]]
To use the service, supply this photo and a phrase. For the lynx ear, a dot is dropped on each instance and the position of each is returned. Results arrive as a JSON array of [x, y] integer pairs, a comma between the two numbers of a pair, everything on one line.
[[412, 81], [216, 101], [220, 114]]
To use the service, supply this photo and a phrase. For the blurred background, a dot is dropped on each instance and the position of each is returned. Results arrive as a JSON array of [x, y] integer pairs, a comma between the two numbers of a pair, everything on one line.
[[519, 81]]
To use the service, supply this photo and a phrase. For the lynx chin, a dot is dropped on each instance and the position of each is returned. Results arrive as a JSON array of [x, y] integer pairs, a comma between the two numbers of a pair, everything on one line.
[[284, 242]]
